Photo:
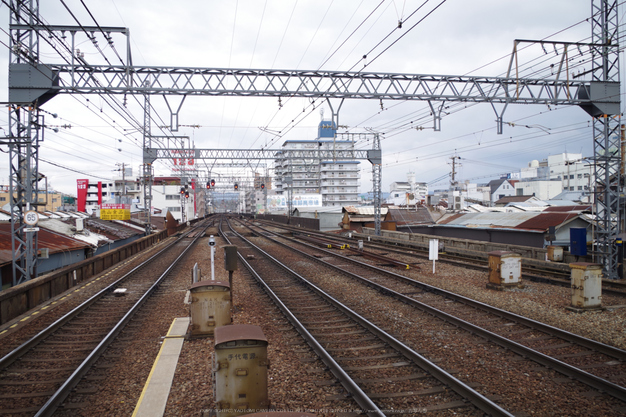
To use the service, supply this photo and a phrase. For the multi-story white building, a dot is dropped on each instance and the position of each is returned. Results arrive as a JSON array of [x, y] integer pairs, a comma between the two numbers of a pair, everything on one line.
[[167, 196], [336, 180], [542, 189], [573, 170], [407, 193]]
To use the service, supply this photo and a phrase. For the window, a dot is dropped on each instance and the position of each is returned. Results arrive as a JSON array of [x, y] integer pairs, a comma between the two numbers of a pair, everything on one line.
[[3, 199], [571, 177], [580, 188], [579, 176], [40, 199], [586, 175], [173, 209], [172, 196], [571, 188]]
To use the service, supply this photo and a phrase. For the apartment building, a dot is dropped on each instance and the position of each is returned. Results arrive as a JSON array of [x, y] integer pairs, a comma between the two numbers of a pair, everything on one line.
[[336, 180]]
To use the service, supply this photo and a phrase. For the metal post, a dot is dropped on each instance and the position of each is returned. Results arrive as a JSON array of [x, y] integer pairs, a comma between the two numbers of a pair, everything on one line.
[[147, 166], [375, 158], [23, 141], [606, 135], [212, 246]]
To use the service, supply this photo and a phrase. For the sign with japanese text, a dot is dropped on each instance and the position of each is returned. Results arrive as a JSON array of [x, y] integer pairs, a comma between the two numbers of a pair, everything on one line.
[[115, 212]]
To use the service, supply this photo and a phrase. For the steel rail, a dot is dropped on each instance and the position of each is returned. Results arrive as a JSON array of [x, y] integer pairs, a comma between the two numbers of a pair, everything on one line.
[[598, 383], [16, 353], [530, 273], [59, 396], [346, 381], [458, 386], [588, 343]]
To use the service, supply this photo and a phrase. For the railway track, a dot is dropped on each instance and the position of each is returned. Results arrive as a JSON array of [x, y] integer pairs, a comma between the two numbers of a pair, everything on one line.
[[552, 276], [376, 369], [39, 374], [595, 365]]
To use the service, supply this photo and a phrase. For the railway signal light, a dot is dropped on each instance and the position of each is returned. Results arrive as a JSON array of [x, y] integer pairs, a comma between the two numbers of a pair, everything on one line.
[[236, 186], [262, 186], [186, 194], [212, 183], [182, 190], [208, 185]]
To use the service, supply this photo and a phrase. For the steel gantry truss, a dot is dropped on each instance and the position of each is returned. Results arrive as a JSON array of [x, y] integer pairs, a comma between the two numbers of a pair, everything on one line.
[[32, 83]]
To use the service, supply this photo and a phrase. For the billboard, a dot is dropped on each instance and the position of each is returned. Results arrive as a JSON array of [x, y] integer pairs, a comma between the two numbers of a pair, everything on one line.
[[299, 200], [115, 212], [81, 194]]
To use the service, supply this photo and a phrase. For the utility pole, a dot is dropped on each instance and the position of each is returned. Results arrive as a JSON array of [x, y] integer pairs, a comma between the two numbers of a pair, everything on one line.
[[453, 175], [123, 193]]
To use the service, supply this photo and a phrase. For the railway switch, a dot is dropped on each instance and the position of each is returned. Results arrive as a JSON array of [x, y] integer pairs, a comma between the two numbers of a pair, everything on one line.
[[240, 370], [210, 307]]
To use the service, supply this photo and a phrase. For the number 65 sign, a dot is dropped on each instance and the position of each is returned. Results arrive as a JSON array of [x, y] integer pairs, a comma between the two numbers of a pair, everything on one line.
[[31, 218]]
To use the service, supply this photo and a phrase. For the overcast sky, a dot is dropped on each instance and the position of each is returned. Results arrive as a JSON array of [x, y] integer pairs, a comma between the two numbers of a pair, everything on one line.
[[453, 37]]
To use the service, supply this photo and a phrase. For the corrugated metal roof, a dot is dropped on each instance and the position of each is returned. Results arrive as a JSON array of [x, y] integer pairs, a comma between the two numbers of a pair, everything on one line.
[[489, 219], [68, 228], [364, 210], [544, 220], [404, 217], [55, 242], [561, 209], [112, 230], [517, 220], [514, 199]]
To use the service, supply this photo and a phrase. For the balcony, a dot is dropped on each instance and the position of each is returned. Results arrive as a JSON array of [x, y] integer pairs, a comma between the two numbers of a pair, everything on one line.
[[346, 169], [340, 175], [343, 198], [339, 183]]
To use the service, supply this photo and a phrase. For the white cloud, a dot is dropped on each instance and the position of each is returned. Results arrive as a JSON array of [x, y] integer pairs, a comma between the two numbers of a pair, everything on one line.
[[458, 38]]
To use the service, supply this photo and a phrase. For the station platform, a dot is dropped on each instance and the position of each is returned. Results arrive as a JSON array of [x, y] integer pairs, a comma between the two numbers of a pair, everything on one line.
[[155, 392]]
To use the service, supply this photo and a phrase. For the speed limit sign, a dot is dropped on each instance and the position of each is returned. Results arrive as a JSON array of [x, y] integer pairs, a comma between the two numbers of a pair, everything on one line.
[[31, 218]]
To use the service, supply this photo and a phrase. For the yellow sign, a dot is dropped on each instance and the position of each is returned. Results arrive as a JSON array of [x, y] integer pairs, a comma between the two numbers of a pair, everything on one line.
[[115, 212]]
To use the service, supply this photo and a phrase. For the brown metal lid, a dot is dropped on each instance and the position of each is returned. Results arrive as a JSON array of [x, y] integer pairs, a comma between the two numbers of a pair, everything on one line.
[[208, 283], [233, 332]]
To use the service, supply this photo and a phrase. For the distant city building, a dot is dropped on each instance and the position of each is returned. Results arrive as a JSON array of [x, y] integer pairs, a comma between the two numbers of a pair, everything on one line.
[[336, 180], [91, 194], [542, 189], [166, 196], [573, 170], [46, 200], [501, 188], [407, 193]]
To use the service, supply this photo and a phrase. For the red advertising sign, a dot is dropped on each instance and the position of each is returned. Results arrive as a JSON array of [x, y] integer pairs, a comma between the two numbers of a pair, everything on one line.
[[81, 192]]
